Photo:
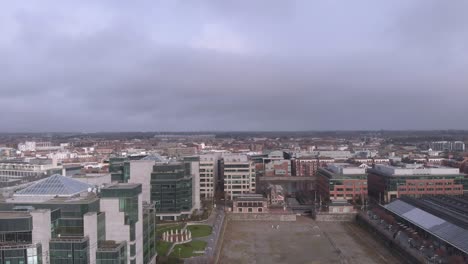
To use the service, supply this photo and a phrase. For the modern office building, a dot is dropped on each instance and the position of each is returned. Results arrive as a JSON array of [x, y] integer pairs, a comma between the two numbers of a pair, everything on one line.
[[23, 171], [77, 223], [342, 181], [386, 183], [171, 190], [123, 205], [239, 175], [209, 173], [19, 233], [305, 166], [448, 146], [141, 170]]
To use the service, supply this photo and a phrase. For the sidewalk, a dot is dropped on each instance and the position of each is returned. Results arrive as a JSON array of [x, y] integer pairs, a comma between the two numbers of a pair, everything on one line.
[[215, 220]]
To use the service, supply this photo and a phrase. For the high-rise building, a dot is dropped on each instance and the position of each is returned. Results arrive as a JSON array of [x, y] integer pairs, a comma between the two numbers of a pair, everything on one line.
[[74, 222], [208, 175], [171, 190], [238, 175], [142, 171]]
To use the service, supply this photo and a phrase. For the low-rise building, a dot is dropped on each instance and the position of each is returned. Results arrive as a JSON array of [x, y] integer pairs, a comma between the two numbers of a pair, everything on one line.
[[251, 203], [342, 181], [27, 171], [386, 182]]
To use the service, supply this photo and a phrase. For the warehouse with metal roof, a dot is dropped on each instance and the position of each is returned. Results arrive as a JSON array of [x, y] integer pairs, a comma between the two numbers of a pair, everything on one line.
[[443, 219]]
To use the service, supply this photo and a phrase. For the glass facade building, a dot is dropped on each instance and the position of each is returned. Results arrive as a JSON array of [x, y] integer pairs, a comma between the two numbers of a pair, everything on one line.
[[149, 232], [16, 245], [171, 188], [69, 250], [127, 194], [112, 253]]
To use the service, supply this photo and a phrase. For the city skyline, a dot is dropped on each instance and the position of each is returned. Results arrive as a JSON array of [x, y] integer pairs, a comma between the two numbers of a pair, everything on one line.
[[233, 66]]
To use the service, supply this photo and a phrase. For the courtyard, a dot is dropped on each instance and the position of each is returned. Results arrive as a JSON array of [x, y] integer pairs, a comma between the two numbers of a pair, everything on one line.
[[303, 241]]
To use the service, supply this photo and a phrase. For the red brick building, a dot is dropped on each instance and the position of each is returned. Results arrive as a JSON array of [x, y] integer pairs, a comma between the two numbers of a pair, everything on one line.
[[308, 166], [342, 181], [390, 182]]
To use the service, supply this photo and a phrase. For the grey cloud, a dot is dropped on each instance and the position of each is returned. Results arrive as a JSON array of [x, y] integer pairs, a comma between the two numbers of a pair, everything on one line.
[[138, 70]]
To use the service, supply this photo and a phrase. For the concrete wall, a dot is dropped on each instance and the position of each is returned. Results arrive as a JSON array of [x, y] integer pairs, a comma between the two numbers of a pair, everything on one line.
[[335, 217], [90, 230], [140, 172], [115, 225], [261, 217], [41, 231], [139, 231], [116, 228], [195, 172]]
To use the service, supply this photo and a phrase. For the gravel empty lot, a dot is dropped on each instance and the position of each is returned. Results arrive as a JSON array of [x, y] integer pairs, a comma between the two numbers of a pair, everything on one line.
[[303, 241]]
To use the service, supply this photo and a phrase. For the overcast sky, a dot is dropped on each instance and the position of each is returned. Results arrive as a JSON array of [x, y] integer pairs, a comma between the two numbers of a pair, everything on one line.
[[233, 65]]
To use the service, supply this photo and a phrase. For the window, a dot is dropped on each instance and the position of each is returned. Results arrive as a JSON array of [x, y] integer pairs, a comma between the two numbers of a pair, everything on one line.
[[260, 210]]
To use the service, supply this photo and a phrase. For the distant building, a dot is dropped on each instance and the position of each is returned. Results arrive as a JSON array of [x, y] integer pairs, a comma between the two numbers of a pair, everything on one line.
[[305, 166], [278, 168], [27, 146], [387, 183], [182, 152], [448, 146], [27, 171], [342, 181], [37, 146]]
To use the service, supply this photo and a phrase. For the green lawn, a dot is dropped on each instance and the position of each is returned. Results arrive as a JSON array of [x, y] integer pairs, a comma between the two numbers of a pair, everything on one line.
[[161, 229], [162, 247], [186, 250], [200, 230]]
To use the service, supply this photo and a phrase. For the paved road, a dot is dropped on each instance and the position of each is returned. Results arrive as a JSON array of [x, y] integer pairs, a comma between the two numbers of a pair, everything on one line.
[[215, 220]]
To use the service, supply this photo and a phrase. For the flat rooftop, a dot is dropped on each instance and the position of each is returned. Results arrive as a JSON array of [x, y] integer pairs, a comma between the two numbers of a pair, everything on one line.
[[345, 170], [13, 215], [123, 186], [414, 170]]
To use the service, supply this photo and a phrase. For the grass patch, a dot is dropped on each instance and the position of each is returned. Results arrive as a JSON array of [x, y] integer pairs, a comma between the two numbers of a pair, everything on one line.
[[162, 247], [200, 230], [187, 249]]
